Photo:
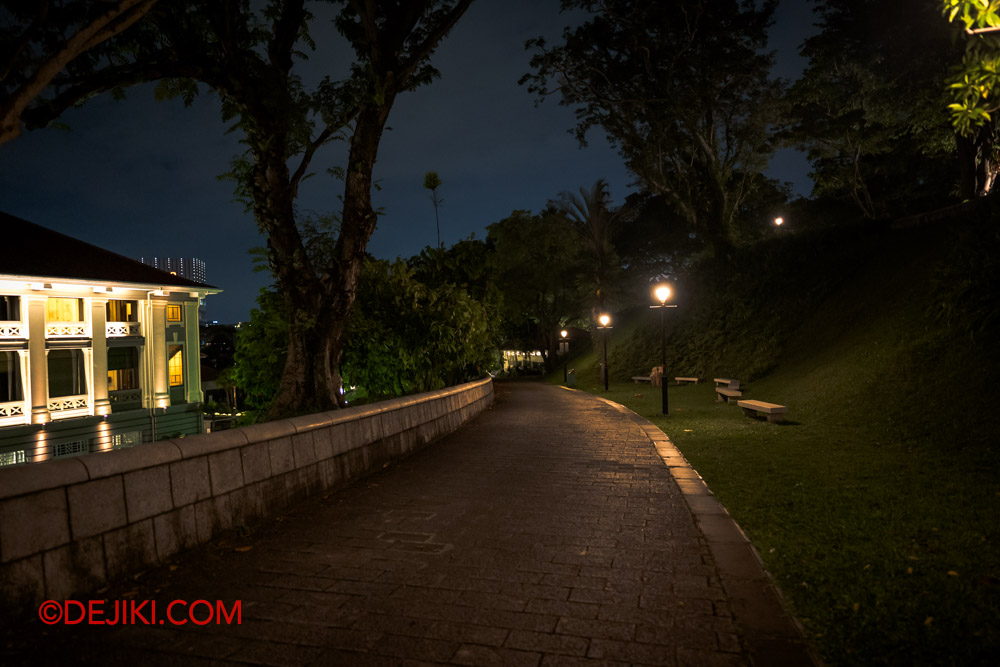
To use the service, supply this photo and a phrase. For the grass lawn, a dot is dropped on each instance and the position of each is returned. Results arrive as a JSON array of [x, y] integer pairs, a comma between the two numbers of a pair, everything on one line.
[[886, 550]]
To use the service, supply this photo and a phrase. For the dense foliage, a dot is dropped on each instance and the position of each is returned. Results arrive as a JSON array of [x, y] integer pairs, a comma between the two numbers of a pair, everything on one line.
[[684, 91], [846, 113], [406, 336], [538, 262], [418, 325]]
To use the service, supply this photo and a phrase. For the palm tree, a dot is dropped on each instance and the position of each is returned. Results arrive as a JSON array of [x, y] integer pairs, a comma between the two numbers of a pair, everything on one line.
[[432, 182], [589, 215]]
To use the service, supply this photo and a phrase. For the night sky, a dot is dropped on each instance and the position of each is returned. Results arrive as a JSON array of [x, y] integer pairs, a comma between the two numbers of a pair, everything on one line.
[[141, 177]]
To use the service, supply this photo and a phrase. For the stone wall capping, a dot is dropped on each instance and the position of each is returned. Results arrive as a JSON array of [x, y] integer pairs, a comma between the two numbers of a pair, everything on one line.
[[209, 443], [127, 460], [268, 430], [353, 413], [304, 423], [21, 480]]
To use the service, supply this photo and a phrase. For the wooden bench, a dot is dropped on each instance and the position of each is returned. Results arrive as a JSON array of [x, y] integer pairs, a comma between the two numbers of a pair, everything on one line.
[[686, 380], [725, 394], [726, 382], [642, 378], [775, 413]]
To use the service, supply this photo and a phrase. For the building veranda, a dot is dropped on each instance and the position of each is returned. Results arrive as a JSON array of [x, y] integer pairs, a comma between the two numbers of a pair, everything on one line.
[[97, 351]]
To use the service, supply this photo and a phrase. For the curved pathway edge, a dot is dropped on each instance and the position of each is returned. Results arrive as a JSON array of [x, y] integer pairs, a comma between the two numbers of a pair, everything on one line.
[[772, 636]]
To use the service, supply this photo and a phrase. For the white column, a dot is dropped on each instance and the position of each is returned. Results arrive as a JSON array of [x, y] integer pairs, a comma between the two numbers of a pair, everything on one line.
[[156, 339], [192, 350], [38, 364], [99, 354]]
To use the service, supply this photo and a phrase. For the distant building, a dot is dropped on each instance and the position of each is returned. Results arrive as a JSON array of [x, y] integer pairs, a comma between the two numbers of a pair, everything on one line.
[[97, 351], [191, 268]]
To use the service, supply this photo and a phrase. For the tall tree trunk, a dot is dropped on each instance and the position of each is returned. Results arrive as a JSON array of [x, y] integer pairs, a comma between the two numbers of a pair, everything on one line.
[[358, 223], [302, 386]]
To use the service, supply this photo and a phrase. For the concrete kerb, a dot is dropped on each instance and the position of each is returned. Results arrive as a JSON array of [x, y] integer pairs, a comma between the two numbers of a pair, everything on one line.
[[772, 636]]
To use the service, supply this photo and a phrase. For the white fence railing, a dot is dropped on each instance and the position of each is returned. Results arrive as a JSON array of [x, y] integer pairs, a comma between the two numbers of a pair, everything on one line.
[[11, 329], [12, 413], [66, 404], [125, 395], [67, 330], [118, 329]]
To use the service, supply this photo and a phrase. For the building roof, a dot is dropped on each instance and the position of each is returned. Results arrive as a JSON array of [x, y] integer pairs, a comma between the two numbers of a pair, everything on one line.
[[35, 251]]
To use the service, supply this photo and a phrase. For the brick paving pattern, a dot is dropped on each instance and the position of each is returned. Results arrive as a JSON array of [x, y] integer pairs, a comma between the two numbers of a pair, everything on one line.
[[548, 531]]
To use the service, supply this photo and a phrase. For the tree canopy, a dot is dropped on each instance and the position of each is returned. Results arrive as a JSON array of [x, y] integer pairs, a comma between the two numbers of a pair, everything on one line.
[[537, 261], [683, 90], [867, 108]]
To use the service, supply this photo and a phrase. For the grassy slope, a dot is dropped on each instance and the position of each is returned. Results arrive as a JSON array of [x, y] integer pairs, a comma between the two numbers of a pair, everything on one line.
[[877, 508]]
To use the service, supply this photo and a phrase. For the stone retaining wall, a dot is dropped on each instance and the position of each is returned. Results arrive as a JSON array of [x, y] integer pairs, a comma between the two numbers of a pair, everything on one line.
[[71, 525]]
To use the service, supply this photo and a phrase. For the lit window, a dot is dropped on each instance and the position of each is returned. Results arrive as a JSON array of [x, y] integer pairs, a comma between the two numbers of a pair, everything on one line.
[[11, 458], [175, 365], [122, 311], [174, 313], [10, 377], [123, 368], [67, 373], [127, 439], [63, 310]]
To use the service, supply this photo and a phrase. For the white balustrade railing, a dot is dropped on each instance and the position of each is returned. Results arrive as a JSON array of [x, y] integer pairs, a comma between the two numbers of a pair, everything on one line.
[[125, 396], [118, 329], [12, 412], [11, 329], [61, 403], [67, 330]]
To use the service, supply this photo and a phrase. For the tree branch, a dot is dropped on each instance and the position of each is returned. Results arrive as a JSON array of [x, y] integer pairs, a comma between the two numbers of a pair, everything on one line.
[[420, 53], [115, 77]]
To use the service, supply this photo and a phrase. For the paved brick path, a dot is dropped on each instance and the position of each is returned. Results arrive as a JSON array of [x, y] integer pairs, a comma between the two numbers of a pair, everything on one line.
[[554, 529]]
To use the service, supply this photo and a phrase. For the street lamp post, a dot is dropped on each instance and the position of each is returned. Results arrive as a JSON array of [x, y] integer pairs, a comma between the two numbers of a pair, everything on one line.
[[563, 341], [662, 294], [605, 324]]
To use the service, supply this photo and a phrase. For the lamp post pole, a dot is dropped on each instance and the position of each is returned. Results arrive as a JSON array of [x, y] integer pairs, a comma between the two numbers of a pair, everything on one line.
[[562, 335], [662, 294], [663, 358], [605, 324]]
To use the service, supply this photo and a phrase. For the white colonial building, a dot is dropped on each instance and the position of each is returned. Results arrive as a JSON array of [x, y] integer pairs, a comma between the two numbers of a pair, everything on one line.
[[97, 351]]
